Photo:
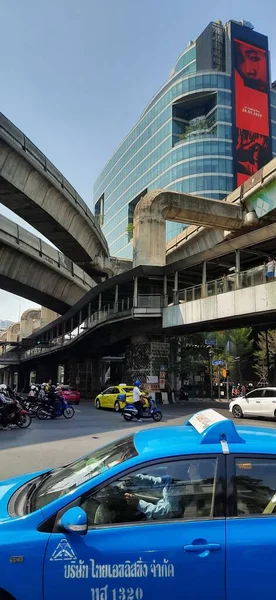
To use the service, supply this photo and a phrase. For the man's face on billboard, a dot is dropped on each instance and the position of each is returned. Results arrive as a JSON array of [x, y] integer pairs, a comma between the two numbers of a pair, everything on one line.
[[252, 64]]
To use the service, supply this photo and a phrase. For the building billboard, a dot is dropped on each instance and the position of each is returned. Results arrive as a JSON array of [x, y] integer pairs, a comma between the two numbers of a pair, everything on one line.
[[251, 114]]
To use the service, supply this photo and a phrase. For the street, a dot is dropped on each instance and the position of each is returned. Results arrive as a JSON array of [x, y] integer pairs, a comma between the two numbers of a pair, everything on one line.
[[54, 443]]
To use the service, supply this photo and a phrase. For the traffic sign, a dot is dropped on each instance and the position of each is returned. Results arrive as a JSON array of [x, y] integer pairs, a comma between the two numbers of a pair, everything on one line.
[[210, 342], [218, 363]]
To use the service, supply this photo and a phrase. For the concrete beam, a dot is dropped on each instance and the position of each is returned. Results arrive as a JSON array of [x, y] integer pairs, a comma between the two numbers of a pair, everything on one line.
[[32, 187], [158, 206], [198, 241], [25, 276], [257, 194]]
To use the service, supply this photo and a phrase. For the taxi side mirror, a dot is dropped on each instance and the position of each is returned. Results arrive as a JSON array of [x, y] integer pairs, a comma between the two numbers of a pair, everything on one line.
[[74, 520]]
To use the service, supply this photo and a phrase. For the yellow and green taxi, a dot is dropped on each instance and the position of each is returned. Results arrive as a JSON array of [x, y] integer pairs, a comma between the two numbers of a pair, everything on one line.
[[109, 397]]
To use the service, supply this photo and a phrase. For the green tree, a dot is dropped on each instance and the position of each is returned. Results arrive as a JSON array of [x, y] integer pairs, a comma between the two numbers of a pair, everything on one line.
[[236, 346], [265, 341], [188, 356]]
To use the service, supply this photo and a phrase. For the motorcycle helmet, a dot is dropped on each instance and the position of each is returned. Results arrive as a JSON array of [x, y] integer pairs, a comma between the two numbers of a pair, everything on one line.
[[137, 383]]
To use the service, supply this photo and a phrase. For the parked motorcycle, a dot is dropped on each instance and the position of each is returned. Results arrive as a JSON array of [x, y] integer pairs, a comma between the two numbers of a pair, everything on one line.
[[61, 408], [150, 411]]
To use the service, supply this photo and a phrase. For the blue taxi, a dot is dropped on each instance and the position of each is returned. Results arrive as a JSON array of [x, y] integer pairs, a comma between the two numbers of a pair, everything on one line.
[[180, 512]]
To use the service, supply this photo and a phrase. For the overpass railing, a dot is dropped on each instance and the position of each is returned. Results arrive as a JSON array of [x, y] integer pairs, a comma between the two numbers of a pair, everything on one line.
[[227, 283], [123, 308], [18, 237]]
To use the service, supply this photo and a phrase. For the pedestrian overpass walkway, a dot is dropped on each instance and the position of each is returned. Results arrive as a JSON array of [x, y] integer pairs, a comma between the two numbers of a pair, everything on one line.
[[236, 300]]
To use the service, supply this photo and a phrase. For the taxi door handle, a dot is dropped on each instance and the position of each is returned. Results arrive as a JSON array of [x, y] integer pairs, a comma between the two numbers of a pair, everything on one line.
[[202, 547], [258, 402]]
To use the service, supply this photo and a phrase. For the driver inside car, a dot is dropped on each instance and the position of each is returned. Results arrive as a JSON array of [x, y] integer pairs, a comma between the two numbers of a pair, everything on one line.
[[166, 507], [132, 507], [173, 504]]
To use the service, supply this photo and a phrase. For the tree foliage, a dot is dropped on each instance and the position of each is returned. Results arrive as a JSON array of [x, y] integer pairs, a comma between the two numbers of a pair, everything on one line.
[[260, 355], [236, 347], [189, 354]]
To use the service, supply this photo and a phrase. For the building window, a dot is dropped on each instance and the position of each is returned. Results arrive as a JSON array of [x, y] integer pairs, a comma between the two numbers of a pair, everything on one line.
[[99, 210], [190, 122]]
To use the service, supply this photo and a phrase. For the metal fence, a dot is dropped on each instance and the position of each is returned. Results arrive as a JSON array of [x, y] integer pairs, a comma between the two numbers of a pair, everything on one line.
[[227, 283]]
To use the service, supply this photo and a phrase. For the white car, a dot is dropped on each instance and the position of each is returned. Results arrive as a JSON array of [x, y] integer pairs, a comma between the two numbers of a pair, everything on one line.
[[258, 403]]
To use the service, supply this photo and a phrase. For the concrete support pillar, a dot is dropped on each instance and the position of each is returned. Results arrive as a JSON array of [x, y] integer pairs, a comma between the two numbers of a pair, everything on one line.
[[135, 293], [22, 379], [116, 298], [149, 234], [47, 316], [165, 291], [204, 280], [175, 289], [84, 375], [71, 326], [80, 321], [238, 269], [151, 212]]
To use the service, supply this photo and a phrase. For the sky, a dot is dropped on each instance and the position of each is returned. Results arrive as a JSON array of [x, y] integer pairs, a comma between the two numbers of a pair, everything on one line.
[[76, 76]]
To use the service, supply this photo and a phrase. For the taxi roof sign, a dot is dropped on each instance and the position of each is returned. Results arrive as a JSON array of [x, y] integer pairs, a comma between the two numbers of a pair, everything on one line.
[[214, 427]]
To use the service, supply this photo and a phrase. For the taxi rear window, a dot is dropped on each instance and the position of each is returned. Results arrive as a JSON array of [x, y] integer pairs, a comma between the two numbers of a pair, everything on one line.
[[128, 390], [255, 482]]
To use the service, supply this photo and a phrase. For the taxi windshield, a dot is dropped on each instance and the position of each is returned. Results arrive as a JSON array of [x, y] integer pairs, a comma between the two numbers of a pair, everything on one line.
[[61, 482]]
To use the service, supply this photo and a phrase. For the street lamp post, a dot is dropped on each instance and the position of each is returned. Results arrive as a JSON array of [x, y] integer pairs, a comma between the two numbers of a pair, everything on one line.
[[211, 354]]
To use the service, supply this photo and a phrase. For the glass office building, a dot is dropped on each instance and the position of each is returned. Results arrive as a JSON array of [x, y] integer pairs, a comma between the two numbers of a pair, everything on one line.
[[189, 138]]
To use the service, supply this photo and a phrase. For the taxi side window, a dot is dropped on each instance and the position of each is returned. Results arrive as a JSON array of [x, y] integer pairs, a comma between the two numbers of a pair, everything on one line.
[[255, 482], [183, 489]]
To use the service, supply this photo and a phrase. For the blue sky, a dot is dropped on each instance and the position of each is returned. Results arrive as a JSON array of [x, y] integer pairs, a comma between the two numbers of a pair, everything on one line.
[[75, 76]]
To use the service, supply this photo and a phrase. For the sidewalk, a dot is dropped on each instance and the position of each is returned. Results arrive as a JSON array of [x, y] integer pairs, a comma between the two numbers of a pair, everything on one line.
[[204, 402]]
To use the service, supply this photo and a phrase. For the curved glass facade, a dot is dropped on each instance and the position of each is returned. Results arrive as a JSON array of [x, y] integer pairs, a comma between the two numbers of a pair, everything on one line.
[[182, 142]]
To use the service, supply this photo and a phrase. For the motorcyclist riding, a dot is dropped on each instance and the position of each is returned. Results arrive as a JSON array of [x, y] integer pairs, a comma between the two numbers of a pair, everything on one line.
[[138, 399], [52, 399], [4, 403], [42, 393]]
